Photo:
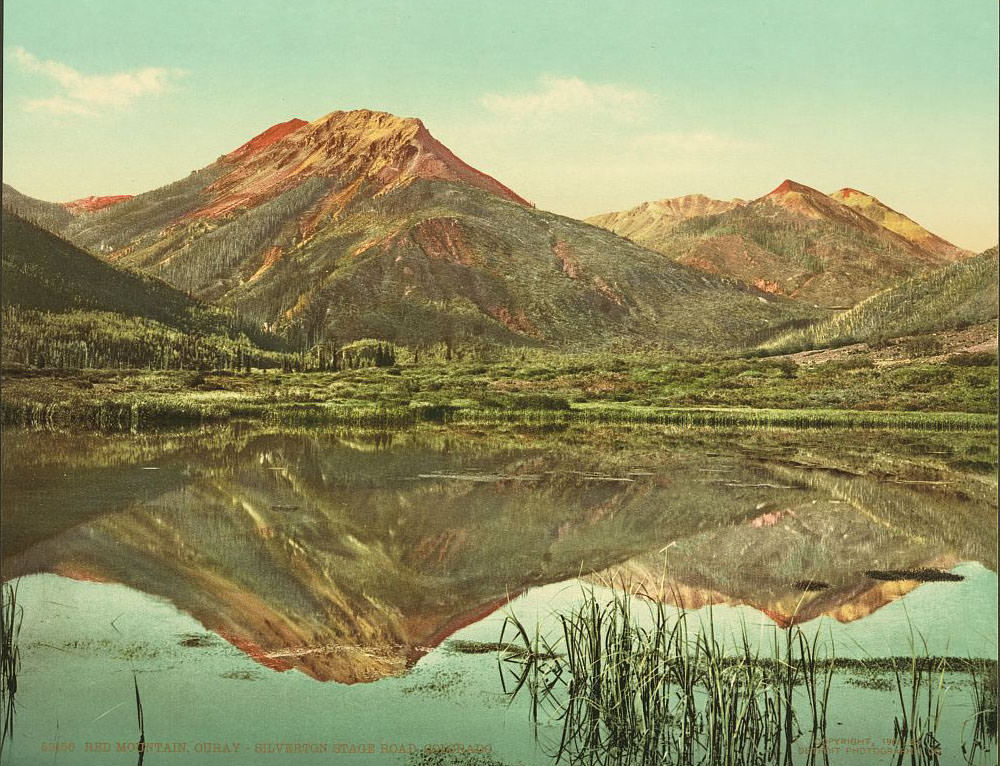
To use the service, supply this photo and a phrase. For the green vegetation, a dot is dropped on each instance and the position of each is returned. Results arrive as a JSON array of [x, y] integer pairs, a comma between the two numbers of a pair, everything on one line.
[[835, 258], [103, 340], [533, 388], [983, 680], [143, 216], [629, 692], [10, 658], [236, 245], [46, 273], [959, 295], [47, 215], [915, 727], [430, 263], [141, 746], [633, 682]]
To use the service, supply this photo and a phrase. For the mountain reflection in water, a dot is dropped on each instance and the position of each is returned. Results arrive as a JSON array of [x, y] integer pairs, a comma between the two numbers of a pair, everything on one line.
[[348, 556]]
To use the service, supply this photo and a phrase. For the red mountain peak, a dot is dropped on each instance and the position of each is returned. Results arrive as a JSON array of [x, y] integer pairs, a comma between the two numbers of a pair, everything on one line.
[[358, 149], [847, 192], [787, 186], [260, 142]]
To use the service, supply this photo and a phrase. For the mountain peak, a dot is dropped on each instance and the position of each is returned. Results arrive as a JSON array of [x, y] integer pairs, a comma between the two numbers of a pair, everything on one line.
[[847, 192], [362, 151], [875, 210], [263, 140], [788, 186]]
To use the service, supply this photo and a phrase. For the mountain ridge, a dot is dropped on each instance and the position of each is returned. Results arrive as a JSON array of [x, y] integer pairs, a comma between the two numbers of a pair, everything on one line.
[[361, 224], [794, 241]]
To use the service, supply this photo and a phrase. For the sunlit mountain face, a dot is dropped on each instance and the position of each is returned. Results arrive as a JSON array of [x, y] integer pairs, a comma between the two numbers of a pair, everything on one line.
[[347, 556]]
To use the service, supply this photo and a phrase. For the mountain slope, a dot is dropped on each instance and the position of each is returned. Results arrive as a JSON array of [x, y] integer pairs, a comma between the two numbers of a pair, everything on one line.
[[49, 215], [90, 204], [880, 213], [956, 296], [361, 224], [649, 223], [43, 272], [799, 242]]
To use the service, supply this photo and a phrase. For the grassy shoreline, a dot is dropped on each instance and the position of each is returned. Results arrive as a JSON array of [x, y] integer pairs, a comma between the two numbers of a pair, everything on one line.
[[540, 390], [140, 414]]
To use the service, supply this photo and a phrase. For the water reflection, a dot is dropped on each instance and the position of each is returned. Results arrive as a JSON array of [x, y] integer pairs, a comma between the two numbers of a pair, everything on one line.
[[348, 556]]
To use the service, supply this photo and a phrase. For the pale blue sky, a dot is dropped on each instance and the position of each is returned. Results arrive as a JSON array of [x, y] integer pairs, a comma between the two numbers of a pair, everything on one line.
[[580, 107]]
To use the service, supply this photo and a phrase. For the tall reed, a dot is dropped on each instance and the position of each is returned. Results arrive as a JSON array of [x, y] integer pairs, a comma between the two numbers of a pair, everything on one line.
[[632, 691], [11, 616]]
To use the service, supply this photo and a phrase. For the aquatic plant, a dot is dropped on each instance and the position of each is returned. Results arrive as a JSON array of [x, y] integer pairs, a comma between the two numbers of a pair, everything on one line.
[[11, 615], [983, 680], [142, 722], [631, 691]]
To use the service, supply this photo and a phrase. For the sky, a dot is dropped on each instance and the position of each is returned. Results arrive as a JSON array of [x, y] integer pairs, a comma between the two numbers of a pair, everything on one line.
[[579, 107]]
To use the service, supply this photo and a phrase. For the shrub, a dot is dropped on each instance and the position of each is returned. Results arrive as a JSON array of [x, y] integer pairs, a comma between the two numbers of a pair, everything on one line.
[[974, 359]]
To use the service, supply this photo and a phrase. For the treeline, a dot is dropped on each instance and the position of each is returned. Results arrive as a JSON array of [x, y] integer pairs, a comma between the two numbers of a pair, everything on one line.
[[99, 339], [105, 340], [797, 240]]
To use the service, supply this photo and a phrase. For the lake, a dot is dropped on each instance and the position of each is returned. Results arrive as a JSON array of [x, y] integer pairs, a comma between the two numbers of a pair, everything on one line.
[[341, 596]]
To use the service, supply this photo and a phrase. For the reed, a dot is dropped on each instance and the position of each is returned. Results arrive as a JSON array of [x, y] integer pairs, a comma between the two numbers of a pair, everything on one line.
[[915, 727], [142, 721], [983, 682], [11, 615], [652, 690]]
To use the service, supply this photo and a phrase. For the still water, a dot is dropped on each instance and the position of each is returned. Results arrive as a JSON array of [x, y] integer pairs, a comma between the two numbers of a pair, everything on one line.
[[335, 596]]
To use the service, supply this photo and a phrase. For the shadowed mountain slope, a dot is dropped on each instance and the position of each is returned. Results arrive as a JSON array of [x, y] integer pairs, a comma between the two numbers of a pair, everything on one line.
[[43, 272]]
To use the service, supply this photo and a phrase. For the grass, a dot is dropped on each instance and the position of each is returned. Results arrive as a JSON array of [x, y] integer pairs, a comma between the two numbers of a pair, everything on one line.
[[529, 388], [983, 678], [635, 684], [633, 693], [11, 615], [915, 727], [141, 719]]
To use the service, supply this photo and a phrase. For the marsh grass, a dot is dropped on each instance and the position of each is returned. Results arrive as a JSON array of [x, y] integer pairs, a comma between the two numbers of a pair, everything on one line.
[[915, 728], [653, 690], [983, 682], [11, 615], [141, 719], [137, 412]]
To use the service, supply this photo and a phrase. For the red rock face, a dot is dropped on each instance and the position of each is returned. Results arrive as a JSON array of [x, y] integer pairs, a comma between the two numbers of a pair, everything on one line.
[[371, 152], [261, 142], [90, 204], [788, 185]]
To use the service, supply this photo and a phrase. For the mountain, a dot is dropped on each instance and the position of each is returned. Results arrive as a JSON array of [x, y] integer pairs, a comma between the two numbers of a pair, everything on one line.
[[43, 272], [959, 295], [873, 209], [649, 223], [796, 241], [361, 224]]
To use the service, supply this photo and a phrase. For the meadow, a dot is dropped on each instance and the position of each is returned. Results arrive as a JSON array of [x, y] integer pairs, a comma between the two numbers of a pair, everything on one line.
[[520, 385]]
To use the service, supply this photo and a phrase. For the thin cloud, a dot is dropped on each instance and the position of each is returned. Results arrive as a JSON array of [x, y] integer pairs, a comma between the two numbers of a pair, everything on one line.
[[86, 94], [567, 95]]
